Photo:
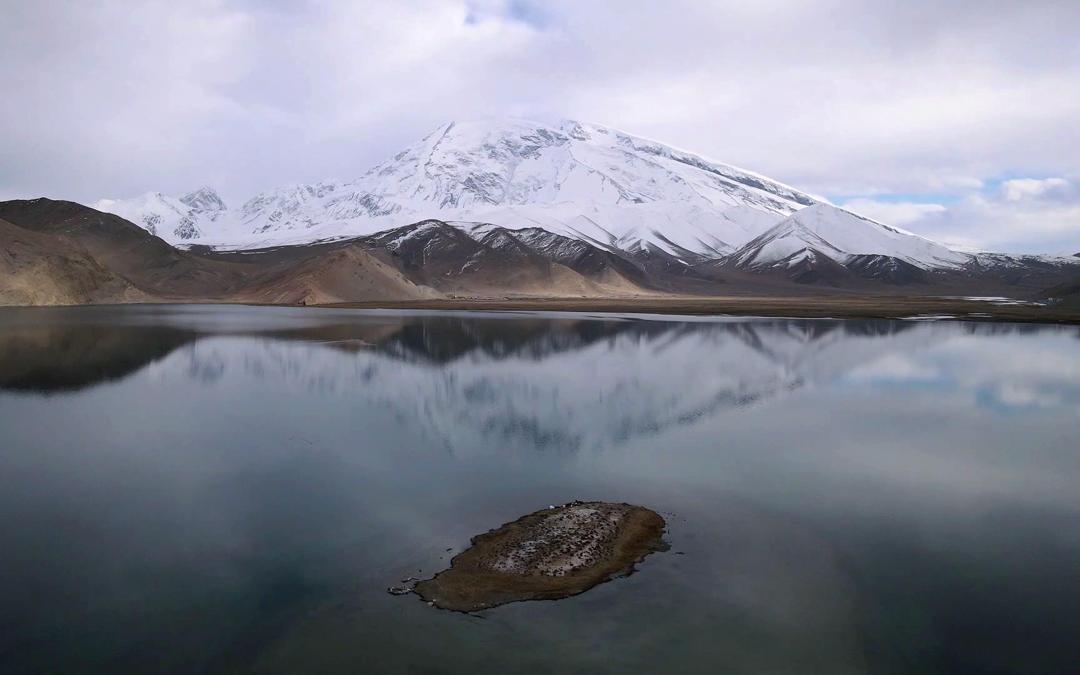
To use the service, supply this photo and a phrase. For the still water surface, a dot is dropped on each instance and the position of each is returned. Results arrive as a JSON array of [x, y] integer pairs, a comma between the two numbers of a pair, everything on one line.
[[231, 489]]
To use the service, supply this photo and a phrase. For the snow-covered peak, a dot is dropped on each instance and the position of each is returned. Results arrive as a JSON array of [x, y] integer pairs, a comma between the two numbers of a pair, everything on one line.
[[837, 234], [183, 220], [574, 179], [167, 217], [473, 166], [205, 199]]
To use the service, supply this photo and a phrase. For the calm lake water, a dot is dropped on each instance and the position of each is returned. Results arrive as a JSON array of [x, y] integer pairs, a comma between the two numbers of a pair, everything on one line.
[[231, 489]]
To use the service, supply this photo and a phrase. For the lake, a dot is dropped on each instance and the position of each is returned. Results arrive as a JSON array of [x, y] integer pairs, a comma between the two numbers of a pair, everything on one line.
[[224, 489]]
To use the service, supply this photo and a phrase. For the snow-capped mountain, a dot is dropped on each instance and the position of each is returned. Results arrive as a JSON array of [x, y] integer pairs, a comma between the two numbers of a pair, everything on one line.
[[574, 179], [180, 220], [620, 193]]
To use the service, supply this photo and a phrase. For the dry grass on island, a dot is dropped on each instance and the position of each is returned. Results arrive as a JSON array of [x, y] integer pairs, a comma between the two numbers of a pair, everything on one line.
[[553, 553]]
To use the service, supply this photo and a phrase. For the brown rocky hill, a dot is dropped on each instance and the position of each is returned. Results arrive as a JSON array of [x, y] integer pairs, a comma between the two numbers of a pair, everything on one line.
[[45, 269], [59, 253]]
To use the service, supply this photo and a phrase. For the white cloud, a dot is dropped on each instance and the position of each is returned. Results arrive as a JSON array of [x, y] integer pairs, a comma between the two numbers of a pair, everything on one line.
[[1018, 189]]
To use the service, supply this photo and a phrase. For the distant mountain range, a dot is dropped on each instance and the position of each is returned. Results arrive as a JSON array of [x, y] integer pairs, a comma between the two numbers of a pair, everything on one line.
[[493, 209]]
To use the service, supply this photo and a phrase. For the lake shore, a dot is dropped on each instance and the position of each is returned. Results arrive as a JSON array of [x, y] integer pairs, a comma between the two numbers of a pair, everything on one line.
[[786, 307], [838, 307]]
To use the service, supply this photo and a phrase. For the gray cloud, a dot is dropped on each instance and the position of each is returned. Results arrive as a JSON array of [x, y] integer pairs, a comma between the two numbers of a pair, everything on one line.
[[920, 102]]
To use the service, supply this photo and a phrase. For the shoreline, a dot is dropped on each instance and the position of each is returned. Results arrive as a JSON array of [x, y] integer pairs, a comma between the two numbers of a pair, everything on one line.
[[911, 308], [808, 307]]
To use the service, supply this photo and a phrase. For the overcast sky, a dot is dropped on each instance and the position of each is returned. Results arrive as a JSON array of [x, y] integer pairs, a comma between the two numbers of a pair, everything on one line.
[[960, 120]]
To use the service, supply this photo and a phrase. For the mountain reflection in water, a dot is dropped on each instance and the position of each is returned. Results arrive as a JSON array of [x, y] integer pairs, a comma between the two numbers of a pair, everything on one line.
[[562, 383]]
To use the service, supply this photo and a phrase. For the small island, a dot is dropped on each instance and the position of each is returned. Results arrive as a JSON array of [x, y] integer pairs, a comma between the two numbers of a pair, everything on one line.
[[551, 554]]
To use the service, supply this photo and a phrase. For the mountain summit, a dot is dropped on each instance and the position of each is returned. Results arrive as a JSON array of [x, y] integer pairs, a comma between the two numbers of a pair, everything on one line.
[[612, 190], [204, 200]]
